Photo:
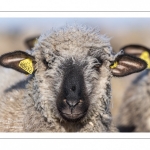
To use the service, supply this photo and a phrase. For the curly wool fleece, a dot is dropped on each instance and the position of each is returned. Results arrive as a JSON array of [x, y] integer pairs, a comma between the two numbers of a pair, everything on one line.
[[36, 105]]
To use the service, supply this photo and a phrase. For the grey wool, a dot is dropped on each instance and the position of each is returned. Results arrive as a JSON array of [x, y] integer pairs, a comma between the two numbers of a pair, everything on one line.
[[8, 78], [74, 56], [134, 114]]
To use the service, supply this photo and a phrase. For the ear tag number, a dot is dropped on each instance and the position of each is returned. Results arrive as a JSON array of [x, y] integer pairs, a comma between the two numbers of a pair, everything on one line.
[[146, 56], [114, 65], [26, 65]]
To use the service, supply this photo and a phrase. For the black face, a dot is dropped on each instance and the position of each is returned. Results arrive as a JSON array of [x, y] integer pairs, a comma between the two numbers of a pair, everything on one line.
[[72, 101]]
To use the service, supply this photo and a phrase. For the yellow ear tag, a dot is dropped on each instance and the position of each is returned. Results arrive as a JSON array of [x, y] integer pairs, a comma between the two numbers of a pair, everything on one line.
[[114, 65], [35, 41], [146, 56], [27, 65]]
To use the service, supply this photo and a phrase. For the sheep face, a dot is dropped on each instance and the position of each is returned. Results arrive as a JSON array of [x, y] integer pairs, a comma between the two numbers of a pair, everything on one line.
[[72, 84]]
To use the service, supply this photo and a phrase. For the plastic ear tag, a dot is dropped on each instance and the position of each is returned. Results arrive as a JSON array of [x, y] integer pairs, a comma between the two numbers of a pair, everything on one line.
[[114, 65], [35, 41], [146, 56], [27, 65]]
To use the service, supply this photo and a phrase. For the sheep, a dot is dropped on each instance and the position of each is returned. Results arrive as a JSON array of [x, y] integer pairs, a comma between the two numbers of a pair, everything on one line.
[[69, 84], [134, 114]]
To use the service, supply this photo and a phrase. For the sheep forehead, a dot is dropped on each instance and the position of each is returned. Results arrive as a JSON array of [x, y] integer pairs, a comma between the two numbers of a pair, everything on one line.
[[74, 41]]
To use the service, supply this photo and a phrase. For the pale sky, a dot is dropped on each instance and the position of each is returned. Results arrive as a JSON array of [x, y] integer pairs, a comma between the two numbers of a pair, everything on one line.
[[47, 23]]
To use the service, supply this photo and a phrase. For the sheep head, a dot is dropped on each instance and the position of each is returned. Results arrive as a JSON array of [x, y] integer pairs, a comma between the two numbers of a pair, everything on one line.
[[71, 71]]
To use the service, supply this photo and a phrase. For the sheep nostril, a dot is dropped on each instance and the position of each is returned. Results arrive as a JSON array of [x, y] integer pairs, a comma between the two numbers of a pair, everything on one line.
[[80, 101], [64, 100]]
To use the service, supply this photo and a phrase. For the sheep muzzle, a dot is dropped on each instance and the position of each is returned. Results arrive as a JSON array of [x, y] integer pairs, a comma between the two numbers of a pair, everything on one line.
[[72, 101]]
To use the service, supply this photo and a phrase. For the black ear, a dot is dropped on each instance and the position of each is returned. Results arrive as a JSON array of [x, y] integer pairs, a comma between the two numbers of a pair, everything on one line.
[[19, 61], [138, 51], [126, 64], [30, 42]]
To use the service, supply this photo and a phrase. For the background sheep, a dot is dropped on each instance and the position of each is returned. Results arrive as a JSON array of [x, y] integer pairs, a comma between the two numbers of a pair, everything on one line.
[[69, 89], [134, 114]]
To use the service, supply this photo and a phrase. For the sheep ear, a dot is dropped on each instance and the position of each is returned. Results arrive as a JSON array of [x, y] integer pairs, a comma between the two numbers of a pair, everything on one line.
[[19, 61], [30, 42], [126, 64], [138, 51]]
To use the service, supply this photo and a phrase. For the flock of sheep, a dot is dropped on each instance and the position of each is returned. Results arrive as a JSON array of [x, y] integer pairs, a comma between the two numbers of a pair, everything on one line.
[[68, 87]]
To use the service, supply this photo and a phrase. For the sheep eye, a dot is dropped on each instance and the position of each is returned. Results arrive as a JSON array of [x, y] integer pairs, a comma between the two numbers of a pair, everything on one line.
[[45, 63], [96, 67]]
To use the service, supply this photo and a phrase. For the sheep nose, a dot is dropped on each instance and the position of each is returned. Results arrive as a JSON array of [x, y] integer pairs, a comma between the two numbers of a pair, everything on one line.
[[71, 103]]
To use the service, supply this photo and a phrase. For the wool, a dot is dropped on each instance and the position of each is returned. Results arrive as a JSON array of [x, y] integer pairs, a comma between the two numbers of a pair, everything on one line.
[[8, 78]]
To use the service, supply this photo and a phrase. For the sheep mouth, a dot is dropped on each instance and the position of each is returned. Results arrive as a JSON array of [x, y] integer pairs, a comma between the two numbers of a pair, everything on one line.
[[72, 116]]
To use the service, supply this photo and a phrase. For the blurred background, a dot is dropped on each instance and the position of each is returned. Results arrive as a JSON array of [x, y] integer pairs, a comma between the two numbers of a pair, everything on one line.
[[14, 31]]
